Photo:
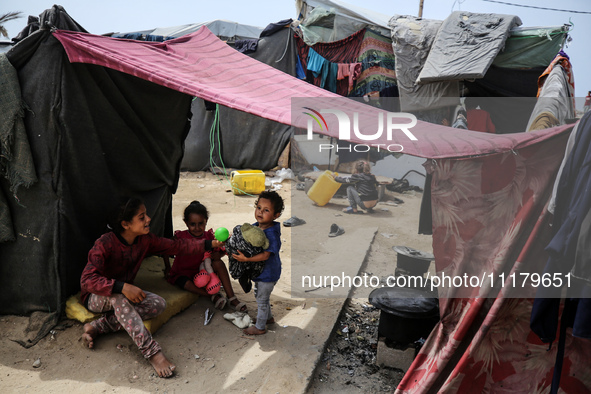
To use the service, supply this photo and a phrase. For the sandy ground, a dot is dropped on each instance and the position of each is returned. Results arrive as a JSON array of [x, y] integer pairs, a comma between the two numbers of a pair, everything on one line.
[[218, 357]]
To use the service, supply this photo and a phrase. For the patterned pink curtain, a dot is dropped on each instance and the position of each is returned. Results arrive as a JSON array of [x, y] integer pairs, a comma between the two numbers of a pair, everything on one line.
[[490, 217]]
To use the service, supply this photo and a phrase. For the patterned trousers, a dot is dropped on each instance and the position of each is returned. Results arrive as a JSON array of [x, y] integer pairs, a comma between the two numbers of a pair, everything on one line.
[[129, 316]]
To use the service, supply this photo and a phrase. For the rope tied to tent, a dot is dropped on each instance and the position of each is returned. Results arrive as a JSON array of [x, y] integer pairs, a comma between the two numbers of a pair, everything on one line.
[[214, 133], [285, 51]]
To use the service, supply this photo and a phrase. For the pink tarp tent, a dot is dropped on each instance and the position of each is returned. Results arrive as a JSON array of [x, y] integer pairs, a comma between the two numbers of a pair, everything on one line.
[[201, 65], [488, 194]]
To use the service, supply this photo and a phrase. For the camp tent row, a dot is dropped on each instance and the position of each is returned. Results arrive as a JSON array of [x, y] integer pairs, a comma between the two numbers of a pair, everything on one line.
[[106, 117], [347, 34]]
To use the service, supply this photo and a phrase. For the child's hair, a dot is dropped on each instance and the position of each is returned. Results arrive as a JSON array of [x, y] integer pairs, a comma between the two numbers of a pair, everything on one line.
[[471, 102], [195, 207], [275, 199], [128, 208], [362, 166]]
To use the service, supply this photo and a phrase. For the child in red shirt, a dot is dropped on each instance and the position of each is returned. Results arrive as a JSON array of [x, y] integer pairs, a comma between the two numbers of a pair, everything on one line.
[[188, 270]]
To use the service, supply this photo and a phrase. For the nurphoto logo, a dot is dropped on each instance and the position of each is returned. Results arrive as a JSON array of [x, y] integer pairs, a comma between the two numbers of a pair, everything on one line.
[[344, 123]]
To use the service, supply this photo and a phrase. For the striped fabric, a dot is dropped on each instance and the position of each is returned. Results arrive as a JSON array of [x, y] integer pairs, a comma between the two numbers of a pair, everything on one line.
[[377, 65], [199, 64]]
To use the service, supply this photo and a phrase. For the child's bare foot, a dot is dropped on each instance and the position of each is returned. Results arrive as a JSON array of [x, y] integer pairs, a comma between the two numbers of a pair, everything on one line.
[[269, 321], [253, 330], [88, 336], [163, 367]]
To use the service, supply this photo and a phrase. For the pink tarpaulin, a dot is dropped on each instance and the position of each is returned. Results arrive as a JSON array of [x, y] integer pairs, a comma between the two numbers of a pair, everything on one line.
[[200, 64]]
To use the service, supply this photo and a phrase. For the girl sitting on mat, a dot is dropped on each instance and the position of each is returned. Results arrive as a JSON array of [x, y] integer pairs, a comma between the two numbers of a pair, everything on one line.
[[203, 273]]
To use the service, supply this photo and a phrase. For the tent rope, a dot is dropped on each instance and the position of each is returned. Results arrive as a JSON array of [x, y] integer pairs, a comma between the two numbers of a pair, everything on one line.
[[286, 46], [214, 133]]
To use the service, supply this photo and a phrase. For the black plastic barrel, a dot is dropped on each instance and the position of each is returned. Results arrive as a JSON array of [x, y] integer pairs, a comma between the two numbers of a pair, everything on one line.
[[406, 314], [411, 261]]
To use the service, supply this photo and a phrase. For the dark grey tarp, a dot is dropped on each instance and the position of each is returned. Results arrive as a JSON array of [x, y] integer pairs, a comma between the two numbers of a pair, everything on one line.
[[245, 140], [16, 162], [466, 45], [95, 134], [412, 39]]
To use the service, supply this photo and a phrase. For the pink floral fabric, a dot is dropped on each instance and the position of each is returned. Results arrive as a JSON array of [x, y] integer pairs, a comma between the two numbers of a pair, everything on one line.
[[489, 216]]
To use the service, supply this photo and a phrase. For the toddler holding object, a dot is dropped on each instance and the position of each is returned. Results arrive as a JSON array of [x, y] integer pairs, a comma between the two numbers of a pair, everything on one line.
[[268, 207]]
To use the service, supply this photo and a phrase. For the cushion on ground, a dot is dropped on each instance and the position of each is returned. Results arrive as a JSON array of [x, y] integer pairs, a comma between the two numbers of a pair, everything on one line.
[[150, 277]]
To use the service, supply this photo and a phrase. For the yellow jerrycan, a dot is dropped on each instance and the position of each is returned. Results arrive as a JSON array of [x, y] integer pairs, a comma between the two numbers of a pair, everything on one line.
[[324, 188], [247, 182]]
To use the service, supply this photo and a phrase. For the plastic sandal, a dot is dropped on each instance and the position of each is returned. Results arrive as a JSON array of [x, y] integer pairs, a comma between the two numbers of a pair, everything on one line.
[[238, 307], [336, 230], [294, 221], [201, 279], [350, 210], [214, 285], [220, 302]]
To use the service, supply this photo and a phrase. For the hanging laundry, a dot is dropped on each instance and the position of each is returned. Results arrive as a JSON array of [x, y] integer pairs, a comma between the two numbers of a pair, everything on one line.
[[300, 73], [343, 51], [326, 70], [315, 62], [330, 82], [351, 70], [247, 46]]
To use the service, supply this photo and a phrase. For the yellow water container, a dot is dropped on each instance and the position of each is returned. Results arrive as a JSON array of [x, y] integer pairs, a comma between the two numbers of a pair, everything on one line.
[[323, 188], [247, 181]]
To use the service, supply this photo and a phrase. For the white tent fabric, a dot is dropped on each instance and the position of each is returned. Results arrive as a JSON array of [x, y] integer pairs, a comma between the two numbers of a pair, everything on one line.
[[221, 28]]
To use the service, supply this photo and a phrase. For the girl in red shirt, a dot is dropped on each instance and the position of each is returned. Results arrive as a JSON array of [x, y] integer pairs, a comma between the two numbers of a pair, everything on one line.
[[187, 270]]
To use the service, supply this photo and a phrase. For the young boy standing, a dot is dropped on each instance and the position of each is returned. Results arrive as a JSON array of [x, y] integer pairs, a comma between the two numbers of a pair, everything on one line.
[[268, 207]]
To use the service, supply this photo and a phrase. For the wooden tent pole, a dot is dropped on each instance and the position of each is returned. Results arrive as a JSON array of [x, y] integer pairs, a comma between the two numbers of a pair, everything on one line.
[[421, 8]]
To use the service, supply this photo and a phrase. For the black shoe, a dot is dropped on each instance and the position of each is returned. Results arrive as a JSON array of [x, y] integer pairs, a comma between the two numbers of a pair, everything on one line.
[[336, 230], [245, 283]]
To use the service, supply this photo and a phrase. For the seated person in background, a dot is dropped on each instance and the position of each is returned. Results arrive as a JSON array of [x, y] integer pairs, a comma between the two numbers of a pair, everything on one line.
[[364, 192], [478, 119]]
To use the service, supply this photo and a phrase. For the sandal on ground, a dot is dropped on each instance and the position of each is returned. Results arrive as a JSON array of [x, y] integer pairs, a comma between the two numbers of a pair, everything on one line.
[[219, 301], [350, 210], [336, 230], [214, 285], [240, 307], [294, 221]]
